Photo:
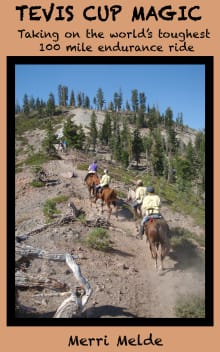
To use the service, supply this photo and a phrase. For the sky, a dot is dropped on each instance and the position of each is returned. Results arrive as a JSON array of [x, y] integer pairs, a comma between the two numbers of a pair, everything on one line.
[[179, 87]]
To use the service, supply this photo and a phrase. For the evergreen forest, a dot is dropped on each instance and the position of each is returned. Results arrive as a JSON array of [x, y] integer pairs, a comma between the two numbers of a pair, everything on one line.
[[137, 136]]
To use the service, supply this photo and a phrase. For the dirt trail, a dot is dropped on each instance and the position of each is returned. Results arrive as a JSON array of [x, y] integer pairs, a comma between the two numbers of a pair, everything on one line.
[[124, 281]]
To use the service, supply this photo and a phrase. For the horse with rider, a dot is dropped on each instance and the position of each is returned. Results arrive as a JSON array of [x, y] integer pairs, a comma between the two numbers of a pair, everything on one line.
[[99, 188], [92, 179]]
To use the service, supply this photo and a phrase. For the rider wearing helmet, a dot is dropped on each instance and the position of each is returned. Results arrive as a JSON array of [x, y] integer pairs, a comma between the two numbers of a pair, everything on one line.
[[151, 205], [139, 194], [105, 181], [92, 169]]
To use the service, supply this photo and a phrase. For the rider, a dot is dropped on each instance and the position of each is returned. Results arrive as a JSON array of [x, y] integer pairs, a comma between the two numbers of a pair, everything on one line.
[[140, 193], [92, 169], [151, 205], [104, 182]]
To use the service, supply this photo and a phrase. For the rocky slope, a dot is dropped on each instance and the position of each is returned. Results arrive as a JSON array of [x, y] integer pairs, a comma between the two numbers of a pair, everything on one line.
[[124, 281]]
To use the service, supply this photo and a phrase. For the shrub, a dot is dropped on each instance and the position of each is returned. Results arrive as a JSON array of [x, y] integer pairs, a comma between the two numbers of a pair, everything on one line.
[[50, 206], [190, 307], [98, 238], [37, 184]]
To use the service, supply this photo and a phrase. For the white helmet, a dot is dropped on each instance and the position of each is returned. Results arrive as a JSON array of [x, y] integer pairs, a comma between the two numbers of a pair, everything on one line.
[[139, 183], [105, 171]]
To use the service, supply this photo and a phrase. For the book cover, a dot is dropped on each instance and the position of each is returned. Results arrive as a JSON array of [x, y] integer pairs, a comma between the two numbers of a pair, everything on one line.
[[135, 61]]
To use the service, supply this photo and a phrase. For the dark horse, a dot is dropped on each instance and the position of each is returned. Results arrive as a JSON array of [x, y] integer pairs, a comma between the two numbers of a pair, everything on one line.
[[92, 181], [157, 233], [107, 196]]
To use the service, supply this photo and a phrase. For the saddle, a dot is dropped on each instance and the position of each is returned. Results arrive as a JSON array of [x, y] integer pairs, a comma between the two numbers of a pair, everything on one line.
[[101, 188], [155, 216]]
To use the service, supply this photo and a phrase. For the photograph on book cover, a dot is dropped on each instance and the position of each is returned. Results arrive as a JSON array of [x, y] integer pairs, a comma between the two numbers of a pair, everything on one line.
[[125, 93], [98, 143]]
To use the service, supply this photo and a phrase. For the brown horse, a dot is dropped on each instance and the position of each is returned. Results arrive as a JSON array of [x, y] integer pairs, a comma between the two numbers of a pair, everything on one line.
[[109, 197], [157, 233], [92, 181]]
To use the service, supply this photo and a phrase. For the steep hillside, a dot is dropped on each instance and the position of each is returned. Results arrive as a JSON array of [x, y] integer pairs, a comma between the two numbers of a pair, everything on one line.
[[83, 117]]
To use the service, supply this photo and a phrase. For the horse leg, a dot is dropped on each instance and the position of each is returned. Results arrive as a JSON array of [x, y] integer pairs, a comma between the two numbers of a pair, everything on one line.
[[93, 190], [102, 206], [161, 263], [90, 191], [109, 210], [163, 252], [116, 211], [160, 256], [135, 214], [114, 203], [140, 212], [153, 250], [95, 201]]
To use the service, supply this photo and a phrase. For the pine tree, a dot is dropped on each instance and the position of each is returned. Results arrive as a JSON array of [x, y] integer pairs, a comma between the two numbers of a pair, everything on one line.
[[26, 108], [137, 146], [79, 100], [142, 102], [157, 154], [72, 99], [179, 120], [127, 106], [95, 102], [50, 105], [134, 100], [106, 130], [116, 144], [31, 103], [168, 118], [100, 99], [86, 104], [50, 140], [140, 121], [62, 95], [65, 95], [80, 138], [183, 173], [152, 118], [118, 100], [93, 131], [147, 144], [126, 144], [39, 107], [190, 156], [70, 133], [111, 106], [172, 141]]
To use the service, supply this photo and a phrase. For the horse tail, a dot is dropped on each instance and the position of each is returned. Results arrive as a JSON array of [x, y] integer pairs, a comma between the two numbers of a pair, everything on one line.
[[113, 194], [114, 197], [165, 242]]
